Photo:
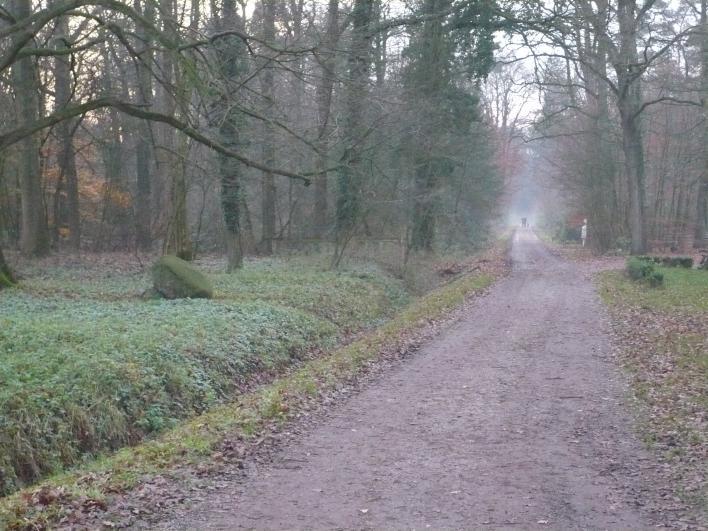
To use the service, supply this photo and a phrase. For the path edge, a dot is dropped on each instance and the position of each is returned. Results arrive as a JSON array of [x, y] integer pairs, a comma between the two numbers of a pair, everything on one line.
[[229, 433]]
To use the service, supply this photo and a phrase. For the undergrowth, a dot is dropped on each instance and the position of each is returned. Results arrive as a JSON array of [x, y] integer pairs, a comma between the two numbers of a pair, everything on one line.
[[87, 366], [686, 290], [664, 346], [196, 439]]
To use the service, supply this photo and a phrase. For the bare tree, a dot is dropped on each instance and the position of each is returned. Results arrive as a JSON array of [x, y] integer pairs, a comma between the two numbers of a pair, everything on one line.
[[65, 134], [135, 92], [229, 56], [268, 143], [143, 150], [35, 234], [352, 173], [325, 85], [592, 36], [702, 199]]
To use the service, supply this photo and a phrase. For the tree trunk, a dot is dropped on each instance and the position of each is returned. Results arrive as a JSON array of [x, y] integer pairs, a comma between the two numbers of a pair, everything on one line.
[[702, 213], [351, 175], [268, 147], [178, 241], [687, 219], [629, 104], [6, 277], [426, 86], [34, 239], [702, 199], [380, 48], [143, 149], [599, 165], [248, 238], [65, 135], [231, 201], [423, 222], [634, 172], [112, 153], [325, 85], [296, 192], [229, 50]]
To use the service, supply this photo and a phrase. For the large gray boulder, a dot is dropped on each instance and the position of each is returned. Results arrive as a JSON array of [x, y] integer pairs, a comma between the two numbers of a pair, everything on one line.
[[173, 278]]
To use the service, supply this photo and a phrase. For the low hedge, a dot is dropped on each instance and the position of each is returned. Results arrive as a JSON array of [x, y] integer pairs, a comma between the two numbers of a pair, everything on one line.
[[669, 261], [641, 269]]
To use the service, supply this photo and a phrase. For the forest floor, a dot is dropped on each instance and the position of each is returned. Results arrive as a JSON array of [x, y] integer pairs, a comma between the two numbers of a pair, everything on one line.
[[662, 339], [492, 408], [516, 416], [86, 365]]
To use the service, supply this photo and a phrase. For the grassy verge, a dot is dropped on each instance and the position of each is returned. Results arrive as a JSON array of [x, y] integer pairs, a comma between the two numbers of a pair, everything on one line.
[[87, 366], [195, 440], [664, 346], [686, 291]]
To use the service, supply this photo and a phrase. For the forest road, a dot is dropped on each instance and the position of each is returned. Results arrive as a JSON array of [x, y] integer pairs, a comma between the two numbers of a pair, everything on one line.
[[513, 418]]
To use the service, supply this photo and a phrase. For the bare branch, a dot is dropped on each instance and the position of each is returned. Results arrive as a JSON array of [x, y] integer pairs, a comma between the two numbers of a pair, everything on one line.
[[65, 113], [666, 99]]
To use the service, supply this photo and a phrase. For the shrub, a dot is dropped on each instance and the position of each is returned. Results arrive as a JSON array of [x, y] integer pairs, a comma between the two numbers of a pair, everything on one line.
[[568, 234], [639, 268], [623, 243], [174, 278], [675, 261], [656, 279], [5, 281], [670, 261], [683, 261]]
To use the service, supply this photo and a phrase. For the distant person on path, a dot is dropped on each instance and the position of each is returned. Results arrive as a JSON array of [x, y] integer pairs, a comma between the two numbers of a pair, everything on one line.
[[584, 231], [523, 223]]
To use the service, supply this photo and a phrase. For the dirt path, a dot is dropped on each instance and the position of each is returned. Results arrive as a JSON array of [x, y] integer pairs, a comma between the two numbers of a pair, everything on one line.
[[513, 418]]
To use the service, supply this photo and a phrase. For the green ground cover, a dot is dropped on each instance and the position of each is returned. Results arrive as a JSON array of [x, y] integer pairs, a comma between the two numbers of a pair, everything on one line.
[[663, 335], [685, 290], [195, 440], [86, 365]]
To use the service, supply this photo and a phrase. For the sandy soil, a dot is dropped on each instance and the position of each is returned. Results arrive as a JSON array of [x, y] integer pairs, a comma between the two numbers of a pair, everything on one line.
[[513, 418]]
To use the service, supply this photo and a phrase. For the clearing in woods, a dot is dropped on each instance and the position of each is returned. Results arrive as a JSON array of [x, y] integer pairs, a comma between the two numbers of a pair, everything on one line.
[[512, 417]]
